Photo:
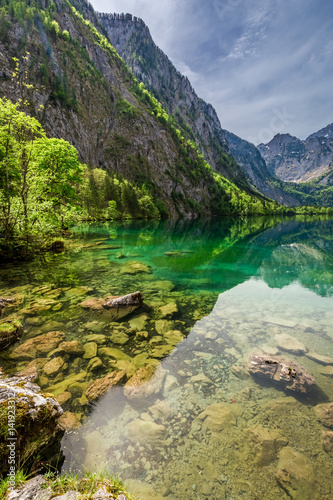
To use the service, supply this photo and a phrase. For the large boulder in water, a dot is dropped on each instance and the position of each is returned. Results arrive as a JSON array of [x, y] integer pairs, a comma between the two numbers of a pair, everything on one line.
[[285, 373], [28, 423]]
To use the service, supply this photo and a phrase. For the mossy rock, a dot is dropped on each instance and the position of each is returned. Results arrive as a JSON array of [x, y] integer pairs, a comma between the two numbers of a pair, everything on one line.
[[35, 425], [10, 330], [113, 353]]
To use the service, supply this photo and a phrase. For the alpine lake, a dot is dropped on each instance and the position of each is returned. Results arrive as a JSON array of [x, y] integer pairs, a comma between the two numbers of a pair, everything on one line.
[[188, 419]]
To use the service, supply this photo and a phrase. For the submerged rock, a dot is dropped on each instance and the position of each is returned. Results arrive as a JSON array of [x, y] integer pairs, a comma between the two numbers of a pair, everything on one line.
[[30, 417], [216, 418], [145, 383], [114, 307], [42, 344], [54, 366], [295, 475], [266, 444], [290, 344], [3, 303], [319, 358], [69, 421], [73, 347], [102, 385], [324, 414], [285, 373], [146, 432], [10, 330], [327, 437]]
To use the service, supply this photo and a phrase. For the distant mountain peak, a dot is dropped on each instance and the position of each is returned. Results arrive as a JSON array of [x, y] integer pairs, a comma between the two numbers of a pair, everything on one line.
[[326, 132]]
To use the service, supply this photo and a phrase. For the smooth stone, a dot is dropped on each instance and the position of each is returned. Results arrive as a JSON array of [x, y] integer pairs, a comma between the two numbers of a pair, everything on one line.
[[279, 321], [95, 326], [290, 344], [162, 286], [90, 350], [100, 386], [163, 326], [119, 338], [319, 358], [324, 414], [63, 397], [139, 322], [94, 364], [69, 421], [217, 417], [327, 438], [170, 383], [161, 351], [169, 310], [145, 383], [173, 337], [42, 344], [327, 371], [161, 410], [201, 379], [266, 444], [54, 366], [146, 432], [134, 267], [295, 475], [73, 347], [126, 366], [113, 353], [94, 337], [62, 386], [140, 360]]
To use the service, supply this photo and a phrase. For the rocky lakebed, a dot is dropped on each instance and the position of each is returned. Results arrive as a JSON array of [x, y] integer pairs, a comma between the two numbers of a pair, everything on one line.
[[185, 392]]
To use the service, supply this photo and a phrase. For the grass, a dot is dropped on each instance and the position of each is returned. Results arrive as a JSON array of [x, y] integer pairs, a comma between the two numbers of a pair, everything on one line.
[[87, 485]]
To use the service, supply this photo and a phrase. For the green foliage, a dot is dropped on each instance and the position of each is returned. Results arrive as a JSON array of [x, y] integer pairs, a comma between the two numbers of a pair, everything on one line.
[[106, 196], [37, 176]]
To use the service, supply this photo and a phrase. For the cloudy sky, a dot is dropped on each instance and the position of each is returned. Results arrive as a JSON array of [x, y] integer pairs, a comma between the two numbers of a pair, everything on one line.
[[265, 65]]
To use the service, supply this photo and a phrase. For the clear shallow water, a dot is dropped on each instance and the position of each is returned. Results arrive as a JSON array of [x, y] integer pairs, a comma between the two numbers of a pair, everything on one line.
[[237, 286]]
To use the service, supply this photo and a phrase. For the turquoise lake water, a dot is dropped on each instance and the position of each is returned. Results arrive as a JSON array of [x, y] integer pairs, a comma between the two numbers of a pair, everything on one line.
[[215, 292]]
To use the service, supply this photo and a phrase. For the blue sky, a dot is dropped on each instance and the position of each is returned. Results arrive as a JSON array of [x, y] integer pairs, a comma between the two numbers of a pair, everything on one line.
[[265, 65]]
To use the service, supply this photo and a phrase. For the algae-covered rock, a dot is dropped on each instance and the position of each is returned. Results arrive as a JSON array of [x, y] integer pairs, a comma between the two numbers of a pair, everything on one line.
[[119, 338], [173, 337], [327, 437], [42, 344], [31, 418], [95, 326], [113, 353], [66, 383], [94, 364], [161, 351], [102, 385], [134, 267], [73, 347], [169, 310], [127, 367], [10, 330], [139, 322], [146, 432], [90, 350], [217, 417], [52, 367], [94, 337], [145, 383], [324, 413], [266, 443], [295, 475], [69, 421]]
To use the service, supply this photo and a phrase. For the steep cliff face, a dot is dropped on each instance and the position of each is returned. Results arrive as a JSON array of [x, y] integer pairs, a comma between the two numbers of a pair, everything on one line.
[[88, 99], [255, 168], [292, 159], [197, 119]]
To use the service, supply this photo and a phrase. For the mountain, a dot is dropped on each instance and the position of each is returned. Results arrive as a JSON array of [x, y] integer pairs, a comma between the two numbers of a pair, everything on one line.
[[294, 160], [196, 119], [91, 99]]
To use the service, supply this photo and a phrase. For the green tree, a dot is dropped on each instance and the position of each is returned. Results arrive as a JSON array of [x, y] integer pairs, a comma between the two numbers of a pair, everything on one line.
[[37, 177]]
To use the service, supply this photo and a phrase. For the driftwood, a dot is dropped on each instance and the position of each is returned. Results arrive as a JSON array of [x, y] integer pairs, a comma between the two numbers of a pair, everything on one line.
[[131, 300], [283, 372]]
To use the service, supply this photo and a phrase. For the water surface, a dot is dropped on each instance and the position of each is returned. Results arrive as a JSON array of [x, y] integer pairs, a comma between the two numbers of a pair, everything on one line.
[[201, 427]]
